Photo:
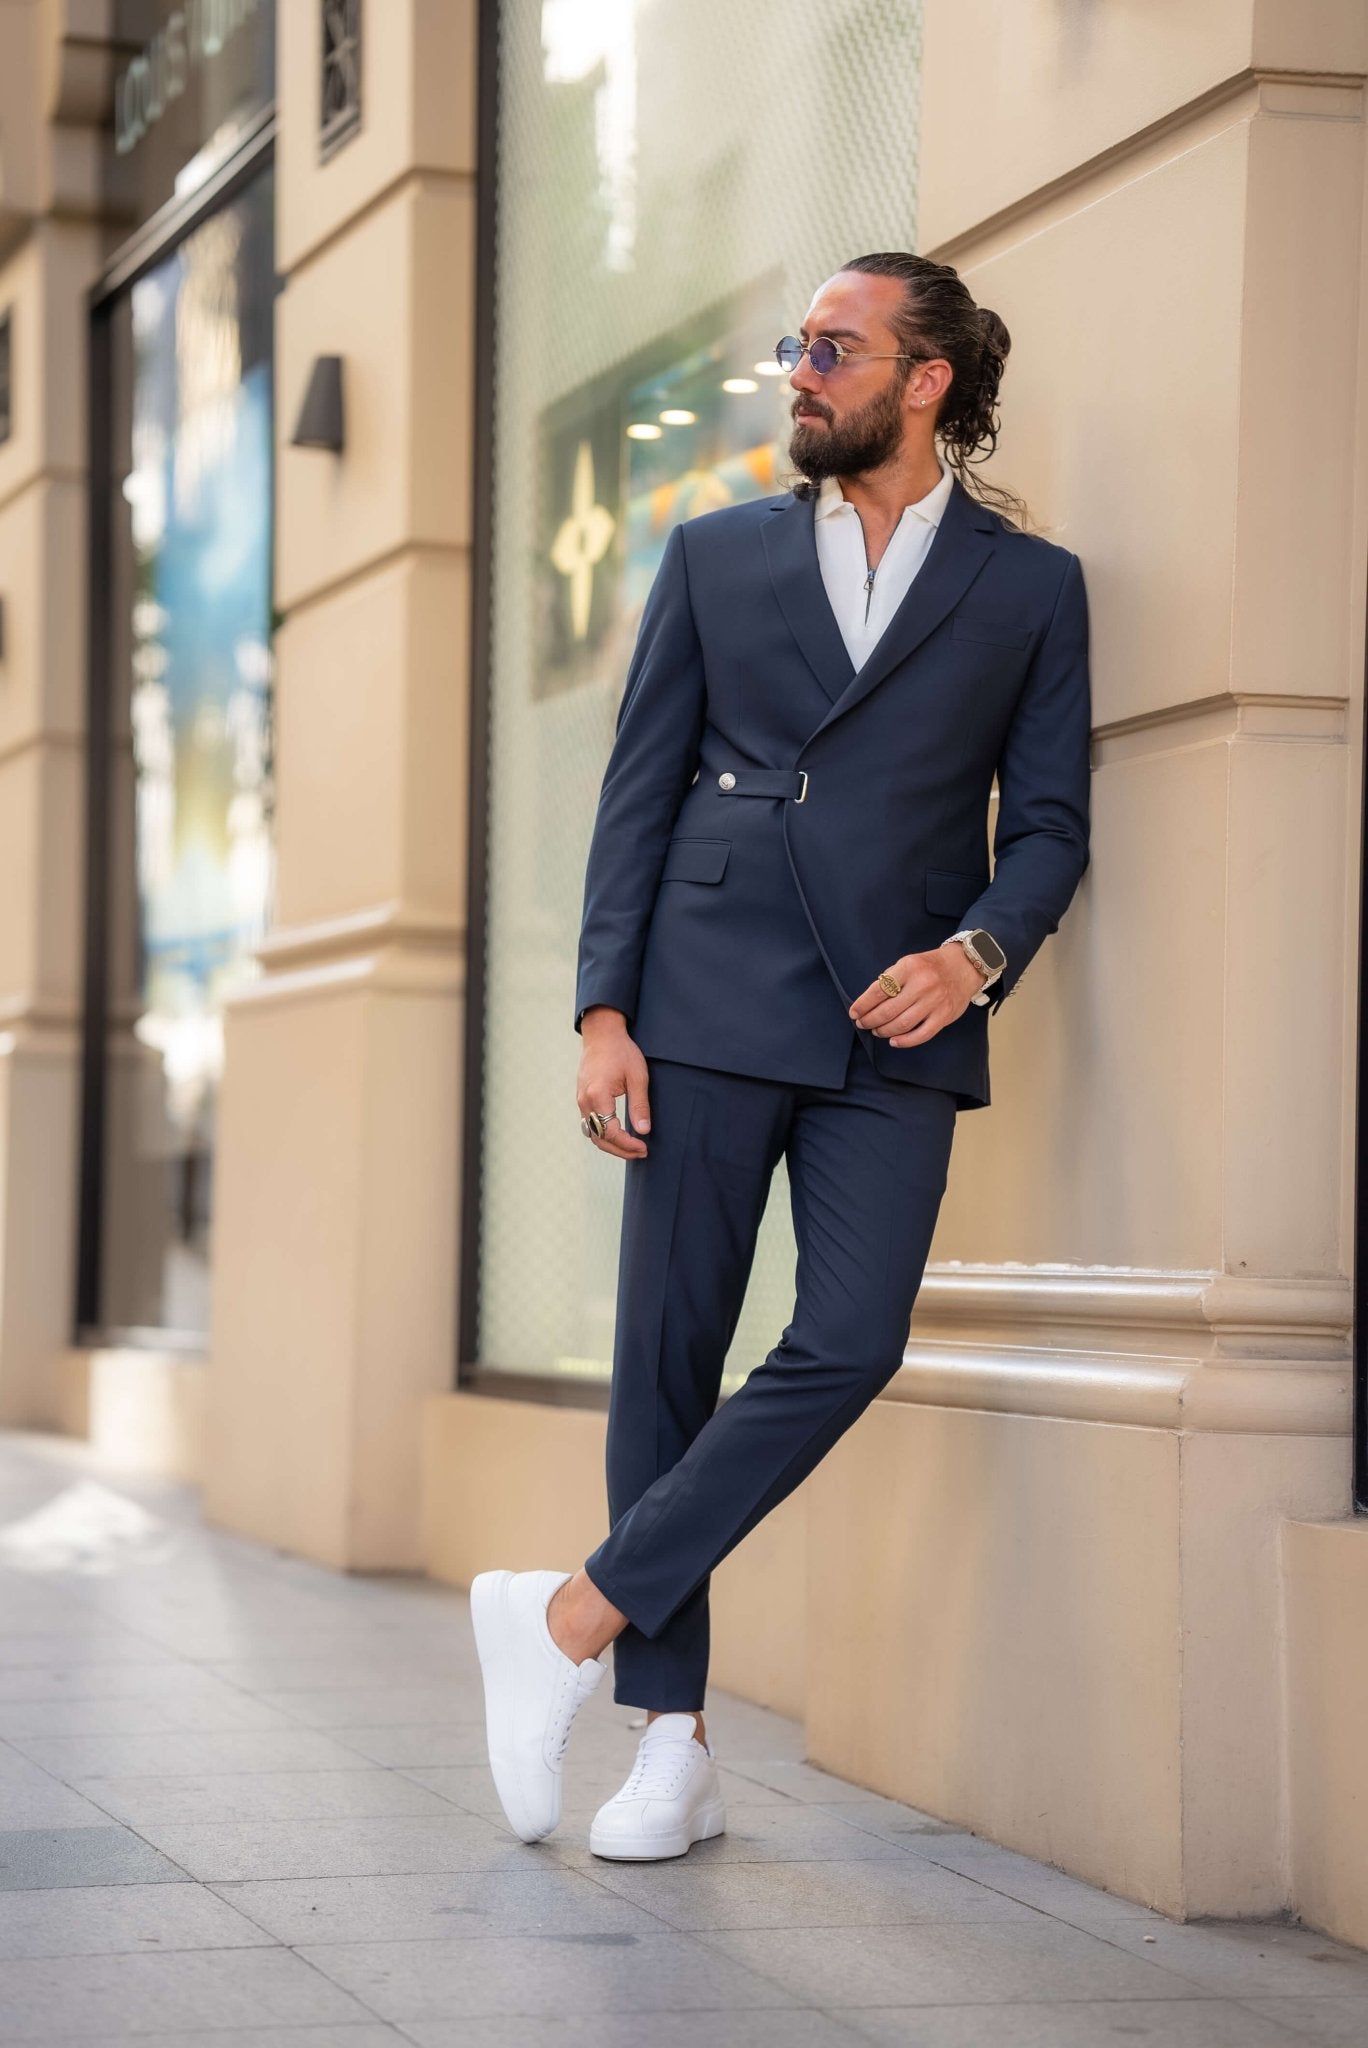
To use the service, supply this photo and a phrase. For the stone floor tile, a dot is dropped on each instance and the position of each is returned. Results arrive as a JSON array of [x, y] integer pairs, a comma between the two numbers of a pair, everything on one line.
[[44, 1636], [137, 1714], [598, 1973], [1341, 2022], [422, 1744], [803, 1781], [348, 2034], [1085, 2023], [1037, 1884], [54, 1678], [943, 1962], [226, 1796], [384, 1706], [785, 2029], [218, 1852], [183, 1993], [543, 1899], [122, 1919], [194, 1751], [34, 1859], [33, 1798], [880, 1891], [343, 1664], [1249, 1959]]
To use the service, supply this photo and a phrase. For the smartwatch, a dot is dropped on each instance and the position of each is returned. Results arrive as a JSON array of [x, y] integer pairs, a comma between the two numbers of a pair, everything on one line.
[[986, 954]]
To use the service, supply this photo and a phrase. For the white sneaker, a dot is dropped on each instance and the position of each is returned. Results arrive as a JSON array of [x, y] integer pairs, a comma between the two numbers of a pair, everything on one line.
[[532, 1693], [671, 1799]]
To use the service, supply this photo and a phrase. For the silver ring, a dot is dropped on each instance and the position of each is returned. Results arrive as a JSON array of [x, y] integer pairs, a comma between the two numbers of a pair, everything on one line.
[[595, 1123]]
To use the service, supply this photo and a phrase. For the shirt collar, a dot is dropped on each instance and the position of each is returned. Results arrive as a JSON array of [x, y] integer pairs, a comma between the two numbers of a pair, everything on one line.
[[831, 498]]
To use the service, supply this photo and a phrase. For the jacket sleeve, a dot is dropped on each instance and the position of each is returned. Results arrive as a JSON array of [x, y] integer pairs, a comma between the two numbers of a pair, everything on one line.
[[655, 757], [1041, 839]]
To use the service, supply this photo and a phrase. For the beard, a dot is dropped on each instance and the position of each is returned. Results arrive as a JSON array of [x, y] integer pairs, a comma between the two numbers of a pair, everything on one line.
[[864, 440]]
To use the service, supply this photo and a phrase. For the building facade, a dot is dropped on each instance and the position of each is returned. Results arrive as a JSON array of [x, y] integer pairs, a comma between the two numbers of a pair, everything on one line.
[[354, 367]]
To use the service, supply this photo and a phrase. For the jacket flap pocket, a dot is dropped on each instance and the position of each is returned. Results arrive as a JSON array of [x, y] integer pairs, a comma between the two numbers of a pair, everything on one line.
[[997, 632], [949, 893], [695, 860]]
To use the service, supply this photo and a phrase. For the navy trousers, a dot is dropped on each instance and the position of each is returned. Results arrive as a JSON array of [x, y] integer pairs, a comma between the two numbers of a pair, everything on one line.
[[688, 1478]]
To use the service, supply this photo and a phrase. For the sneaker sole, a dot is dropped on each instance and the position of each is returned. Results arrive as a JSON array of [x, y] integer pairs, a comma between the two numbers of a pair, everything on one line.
[[489, 1619], [707, 1822]]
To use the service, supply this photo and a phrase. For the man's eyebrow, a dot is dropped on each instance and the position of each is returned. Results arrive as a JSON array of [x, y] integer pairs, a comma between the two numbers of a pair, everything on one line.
[[835, 334]]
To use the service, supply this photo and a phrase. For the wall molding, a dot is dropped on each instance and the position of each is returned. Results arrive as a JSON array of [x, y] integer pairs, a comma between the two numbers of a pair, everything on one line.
[[1157, 1349]]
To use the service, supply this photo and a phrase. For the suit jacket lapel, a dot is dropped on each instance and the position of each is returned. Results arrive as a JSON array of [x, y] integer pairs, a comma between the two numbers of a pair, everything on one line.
[[961, 544], [796, 573]]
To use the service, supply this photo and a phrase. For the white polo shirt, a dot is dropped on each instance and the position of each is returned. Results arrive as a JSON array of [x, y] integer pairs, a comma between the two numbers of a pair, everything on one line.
[[862, 609]]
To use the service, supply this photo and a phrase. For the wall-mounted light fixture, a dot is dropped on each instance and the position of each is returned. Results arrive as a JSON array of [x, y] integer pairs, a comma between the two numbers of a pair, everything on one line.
[[320, 416]]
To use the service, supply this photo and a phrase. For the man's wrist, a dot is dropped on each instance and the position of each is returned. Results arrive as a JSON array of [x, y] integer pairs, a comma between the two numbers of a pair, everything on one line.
[[986, 976]]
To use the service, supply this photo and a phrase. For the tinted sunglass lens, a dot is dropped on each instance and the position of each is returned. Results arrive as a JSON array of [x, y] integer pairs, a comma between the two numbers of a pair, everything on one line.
[[823, 355], [788, 353]]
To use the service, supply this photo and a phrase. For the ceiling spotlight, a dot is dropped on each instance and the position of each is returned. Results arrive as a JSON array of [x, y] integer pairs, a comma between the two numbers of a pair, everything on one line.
[[643, 430], [677, 416], [739, 385], [769, 368]]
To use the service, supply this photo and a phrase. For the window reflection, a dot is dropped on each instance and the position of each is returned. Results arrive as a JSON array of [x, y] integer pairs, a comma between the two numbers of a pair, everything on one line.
[[191, 757], [665, 210]]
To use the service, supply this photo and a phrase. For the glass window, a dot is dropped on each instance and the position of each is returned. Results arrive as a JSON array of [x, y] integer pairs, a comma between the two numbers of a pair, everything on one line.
[[187, 771], [672, 185]]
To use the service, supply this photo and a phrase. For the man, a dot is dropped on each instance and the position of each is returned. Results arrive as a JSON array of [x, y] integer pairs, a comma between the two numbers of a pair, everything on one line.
[[788, 910]]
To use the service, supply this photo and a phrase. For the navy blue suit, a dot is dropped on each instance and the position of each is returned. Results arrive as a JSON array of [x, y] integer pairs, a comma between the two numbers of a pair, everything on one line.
[[773, 829]]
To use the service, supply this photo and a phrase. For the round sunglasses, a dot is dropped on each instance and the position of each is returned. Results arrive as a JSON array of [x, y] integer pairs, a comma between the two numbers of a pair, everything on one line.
[[826, 355]]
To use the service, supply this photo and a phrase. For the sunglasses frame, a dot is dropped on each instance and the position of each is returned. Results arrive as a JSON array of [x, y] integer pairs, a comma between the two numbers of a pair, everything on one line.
[[863, 355]]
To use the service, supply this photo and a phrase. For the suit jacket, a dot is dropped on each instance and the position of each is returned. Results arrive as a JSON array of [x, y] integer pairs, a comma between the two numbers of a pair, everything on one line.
[[735, 929]]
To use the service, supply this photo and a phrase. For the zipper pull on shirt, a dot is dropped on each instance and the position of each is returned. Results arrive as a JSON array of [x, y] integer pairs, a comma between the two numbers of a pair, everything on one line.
[[869, 594]]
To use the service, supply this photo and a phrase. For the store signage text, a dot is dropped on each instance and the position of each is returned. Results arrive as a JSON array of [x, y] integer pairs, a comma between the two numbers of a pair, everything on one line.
[[193, 35]]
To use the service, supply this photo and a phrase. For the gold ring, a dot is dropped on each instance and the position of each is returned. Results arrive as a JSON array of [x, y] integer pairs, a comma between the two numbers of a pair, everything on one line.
[[889, 983]]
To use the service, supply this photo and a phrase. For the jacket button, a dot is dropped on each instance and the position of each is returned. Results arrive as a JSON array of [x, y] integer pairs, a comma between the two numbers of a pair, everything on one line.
[[727, 781]]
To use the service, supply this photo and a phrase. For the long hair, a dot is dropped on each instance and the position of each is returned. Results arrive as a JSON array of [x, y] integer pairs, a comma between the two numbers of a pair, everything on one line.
[[939, 317]]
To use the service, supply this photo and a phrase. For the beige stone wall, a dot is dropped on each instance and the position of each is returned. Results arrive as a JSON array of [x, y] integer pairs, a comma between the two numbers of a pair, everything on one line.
[[53, 78], [339, 1141]]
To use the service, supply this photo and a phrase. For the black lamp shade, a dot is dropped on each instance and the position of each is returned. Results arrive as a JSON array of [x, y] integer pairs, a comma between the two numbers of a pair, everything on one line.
[[320, 416]]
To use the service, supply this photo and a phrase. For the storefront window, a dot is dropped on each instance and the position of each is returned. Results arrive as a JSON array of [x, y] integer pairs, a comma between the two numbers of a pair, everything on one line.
[[187, 766], [672, 184]]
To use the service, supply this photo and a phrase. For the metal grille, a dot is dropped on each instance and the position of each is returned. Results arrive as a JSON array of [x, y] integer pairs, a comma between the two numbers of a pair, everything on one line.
[[673, 184], [341, 89]]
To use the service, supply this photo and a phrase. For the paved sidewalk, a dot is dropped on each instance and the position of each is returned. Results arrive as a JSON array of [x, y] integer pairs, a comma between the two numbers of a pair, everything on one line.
[[244, 1803]]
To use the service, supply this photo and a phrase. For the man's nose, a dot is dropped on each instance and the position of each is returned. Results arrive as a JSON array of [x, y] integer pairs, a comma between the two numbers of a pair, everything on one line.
[[804, 378]]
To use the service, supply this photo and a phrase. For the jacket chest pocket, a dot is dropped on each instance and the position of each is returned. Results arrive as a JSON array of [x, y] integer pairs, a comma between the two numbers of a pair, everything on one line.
[[695, 860], [992, 632]]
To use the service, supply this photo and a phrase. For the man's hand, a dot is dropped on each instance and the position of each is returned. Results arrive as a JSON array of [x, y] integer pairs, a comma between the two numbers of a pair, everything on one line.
[[936, 988], [613, 1065]]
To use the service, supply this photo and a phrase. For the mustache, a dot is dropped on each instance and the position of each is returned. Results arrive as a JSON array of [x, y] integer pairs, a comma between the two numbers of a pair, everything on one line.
[[811, 405]]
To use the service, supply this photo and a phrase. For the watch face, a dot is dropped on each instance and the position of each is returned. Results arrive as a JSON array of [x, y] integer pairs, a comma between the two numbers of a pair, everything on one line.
[[989, 951]]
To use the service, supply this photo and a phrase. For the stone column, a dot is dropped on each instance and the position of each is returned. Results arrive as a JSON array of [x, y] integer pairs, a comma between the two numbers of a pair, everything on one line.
[[336, 1224], [53, 91], [1130, 1362]]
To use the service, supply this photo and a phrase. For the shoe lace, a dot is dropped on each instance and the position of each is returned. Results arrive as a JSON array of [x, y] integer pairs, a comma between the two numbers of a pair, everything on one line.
[[565, 1709], [660, 1765]]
